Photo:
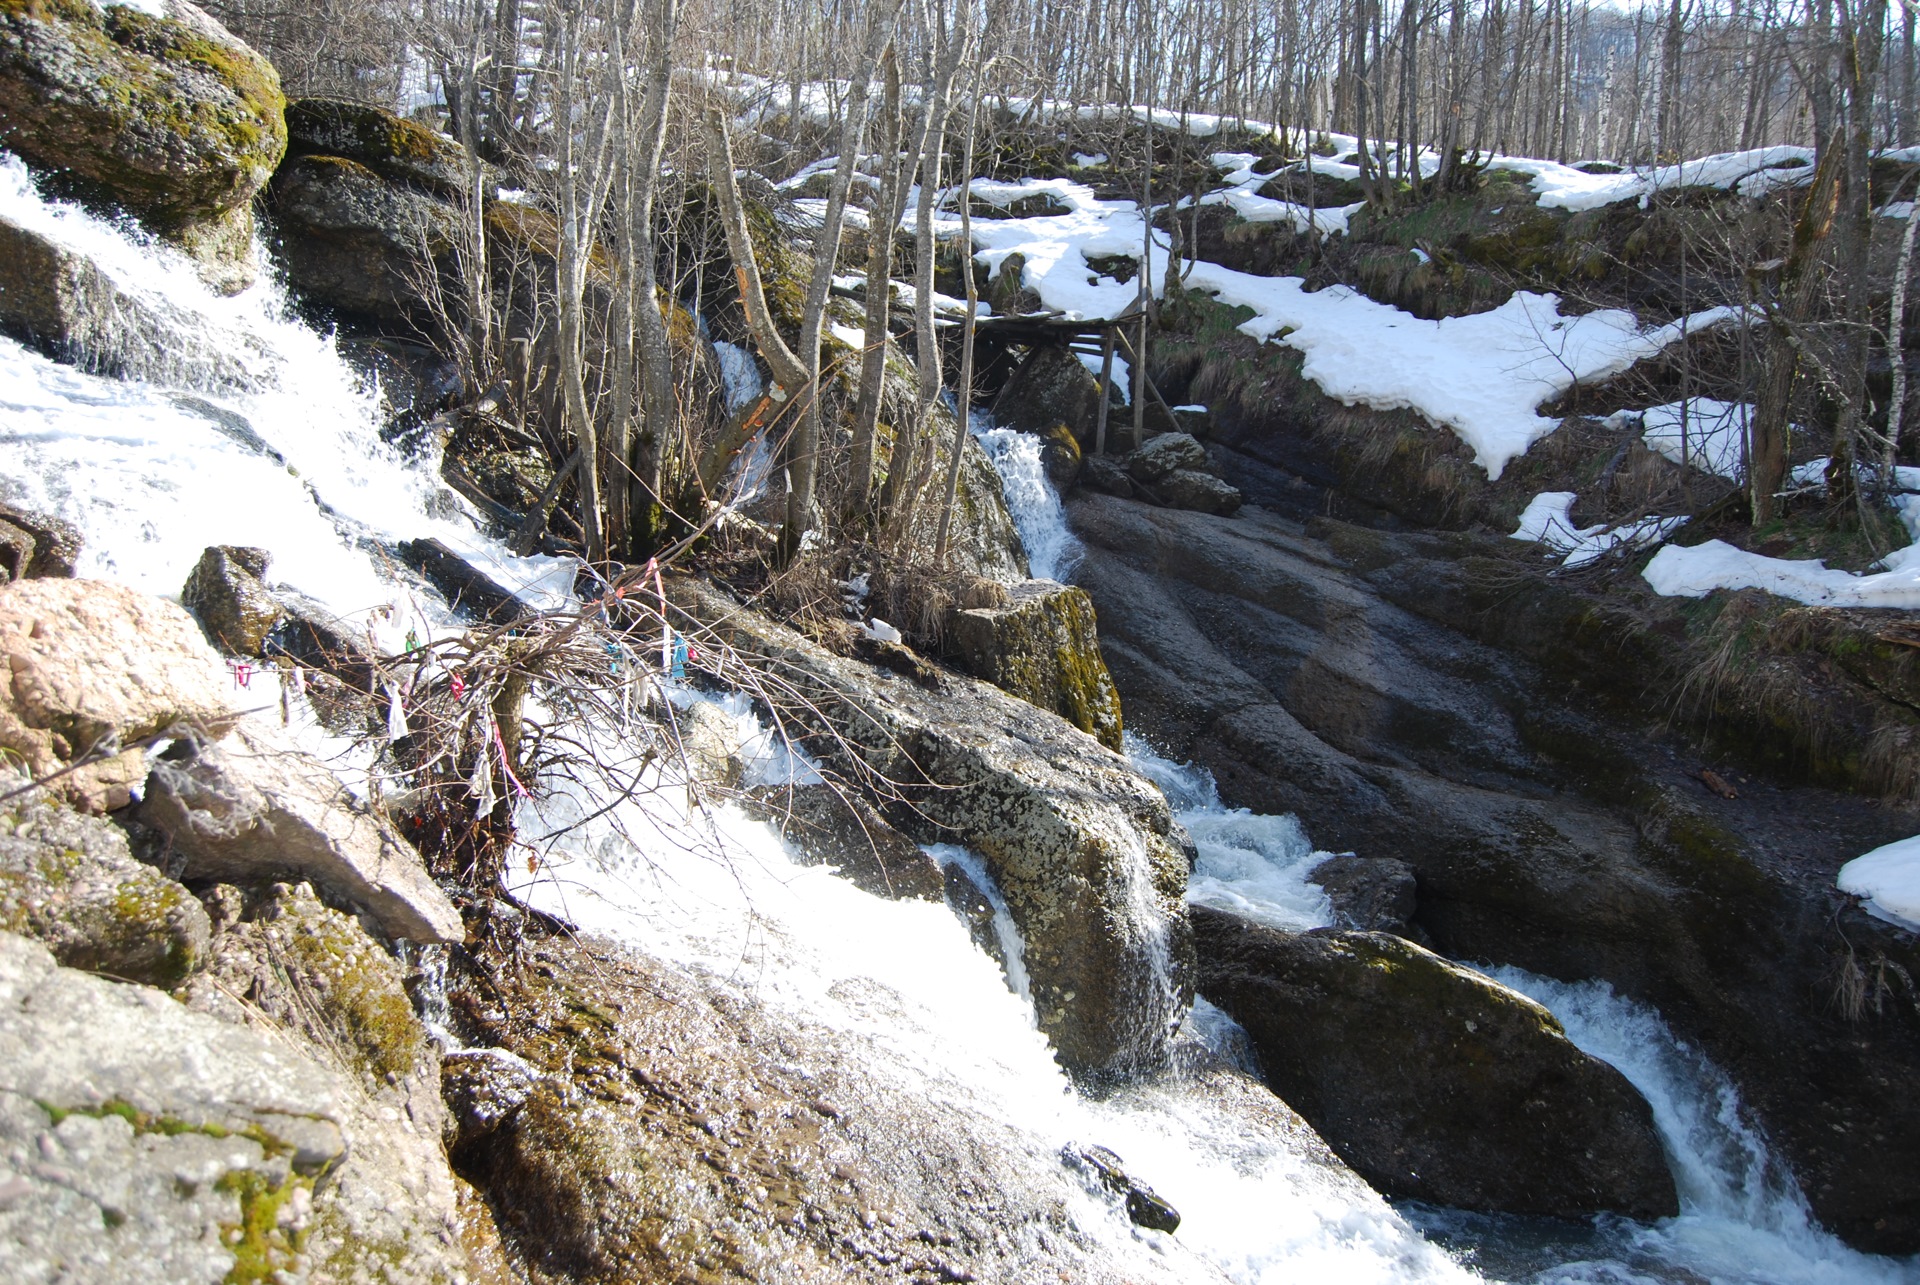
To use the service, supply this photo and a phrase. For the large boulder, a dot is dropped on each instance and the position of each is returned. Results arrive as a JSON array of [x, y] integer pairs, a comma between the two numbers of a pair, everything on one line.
[[397, 149], [254, 807], [352, 239], [1372, 894], [1084, 849], [1432, 1081], [389, 1206], [226, 592], [1163, 454], [164, 114], [1188, 488], [147, 1142], [91, 668], [1043, 646], [71, 882], [1052, 386]]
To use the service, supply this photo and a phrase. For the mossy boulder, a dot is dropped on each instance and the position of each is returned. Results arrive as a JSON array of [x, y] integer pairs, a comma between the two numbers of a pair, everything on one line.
[[1434, 1082], [168, 117], [1050, 387], [397, 149], [227, 594], [1044, 647], [71, 882], [352, 240]]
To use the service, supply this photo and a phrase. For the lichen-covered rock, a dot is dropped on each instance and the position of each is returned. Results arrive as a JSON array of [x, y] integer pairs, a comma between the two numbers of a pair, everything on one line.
[[354, 240], [70, 882], [226, 592], [1084, 848], [482, 1088], [87, 665], [1163, 454], [839, 828], [1050, 387], [1188, 488], [1432, 1081], [1044, 647], [167, 116], [710, 744], [34, 545], [388, 1211], [255, 807], [396, 148], [144, 1141]]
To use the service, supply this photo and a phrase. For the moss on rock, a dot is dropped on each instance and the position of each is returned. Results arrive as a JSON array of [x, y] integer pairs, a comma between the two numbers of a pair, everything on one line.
[[171, 118]]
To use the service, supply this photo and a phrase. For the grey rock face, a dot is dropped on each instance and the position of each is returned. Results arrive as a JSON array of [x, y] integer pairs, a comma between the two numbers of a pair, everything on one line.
[[1050, 387], [351, 239], [132, 1132], [1163, 454], [70, 882], [34, 545], [254, 808], [1370, 894], [387, 1210], [1188, 488], [1430, 1080], [226, 593], [1340, 674], [710, 741], [1081, 845], [395, 148], [1107, 476], [1043, 646]]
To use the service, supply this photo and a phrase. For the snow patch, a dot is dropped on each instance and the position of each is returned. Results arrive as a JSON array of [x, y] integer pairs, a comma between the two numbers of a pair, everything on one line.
[[1889, 879]]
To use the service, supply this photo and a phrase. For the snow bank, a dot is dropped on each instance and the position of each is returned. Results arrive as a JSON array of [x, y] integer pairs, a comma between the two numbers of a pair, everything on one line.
[[1548, 520], [1482, 376], [1889, 879], [1696, 572], [1707, 434], [1752, 173]]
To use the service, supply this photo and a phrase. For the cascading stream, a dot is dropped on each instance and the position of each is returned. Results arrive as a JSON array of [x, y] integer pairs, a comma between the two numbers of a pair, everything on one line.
[[281, 448]]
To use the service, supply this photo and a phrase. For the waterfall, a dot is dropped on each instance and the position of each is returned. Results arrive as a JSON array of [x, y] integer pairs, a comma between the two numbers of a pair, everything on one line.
[[191, 420], [1053, 550]]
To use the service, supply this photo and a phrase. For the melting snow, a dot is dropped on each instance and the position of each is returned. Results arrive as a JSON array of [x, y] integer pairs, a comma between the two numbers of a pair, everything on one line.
[[1548, 519], [1889, 878]]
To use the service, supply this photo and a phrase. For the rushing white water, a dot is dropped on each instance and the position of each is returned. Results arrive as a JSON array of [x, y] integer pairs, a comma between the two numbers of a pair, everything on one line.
[[717, 893], [1253, 865], [241, 426], [1053, 550]]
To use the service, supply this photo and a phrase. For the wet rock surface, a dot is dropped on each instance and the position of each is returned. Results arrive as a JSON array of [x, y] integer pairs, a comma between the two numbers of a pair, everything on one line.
[[1430, 1080], [70, 882], [353, 240], [679, 1130], [1044, 647], [1370, 894], [1050, 387], [1083, 847], [35, 546], [89, 669], [839, 828], [1548, 826]]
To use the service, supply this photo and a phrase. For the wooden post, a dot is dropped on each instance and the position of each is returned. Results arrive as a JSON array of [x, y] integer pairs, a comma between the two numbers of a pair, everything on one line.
[[1106, 387], [1140, 386]]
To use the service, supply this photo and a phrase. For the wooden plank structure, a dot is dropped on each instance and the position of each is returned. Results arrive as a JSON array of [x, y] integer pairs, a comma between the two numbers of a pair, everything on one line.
[[1094, 337]]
